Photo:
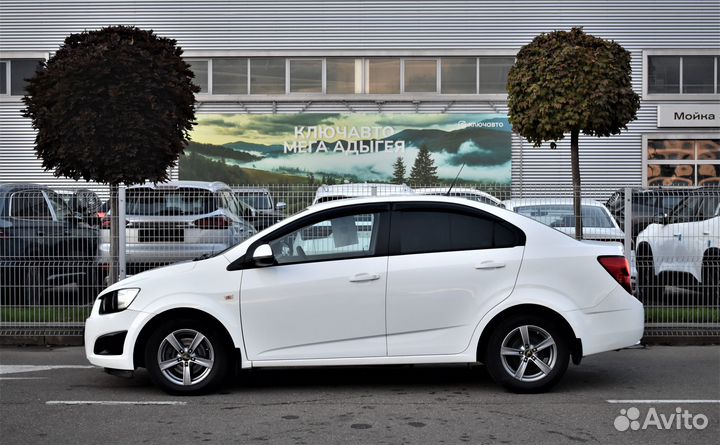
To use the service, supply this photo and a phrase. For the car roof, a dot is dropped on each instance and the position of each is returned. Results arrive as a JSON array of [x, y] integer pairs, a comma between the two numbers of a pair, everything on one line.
[[520, 202], [362, 189], [12, 186], [251, 189], [173, 185]]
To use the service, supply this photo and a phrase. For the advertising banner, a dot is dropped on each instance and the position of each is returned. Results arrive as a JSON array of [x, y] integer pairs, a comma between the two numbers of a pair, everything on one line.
[[347, 147]]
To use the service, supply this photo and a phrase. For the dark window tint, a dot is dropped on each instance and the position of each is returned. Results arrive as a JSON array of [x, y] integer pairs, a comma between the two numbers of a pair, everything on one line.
[[424, 231], [20, 71], [30, 205], [142, 201], [664, 75]]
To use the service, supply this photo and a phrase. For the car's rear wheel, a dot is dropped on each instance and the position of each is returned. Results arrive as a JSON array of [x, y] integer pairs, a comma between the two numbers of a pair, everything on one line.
[[710, 285], [649, 285], [527, 353], [187, 357]]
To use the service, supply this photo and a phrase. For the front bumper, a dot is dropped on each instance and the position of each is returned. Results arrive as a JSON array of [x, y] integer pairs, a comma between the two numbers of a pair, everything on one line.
[[100, 325]]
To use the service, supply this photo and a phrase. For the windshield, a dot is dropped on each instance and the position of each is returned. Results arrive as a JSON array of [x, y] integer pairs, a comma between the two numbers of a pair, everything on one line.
[[255, 200], [170, 202], [562, 215]]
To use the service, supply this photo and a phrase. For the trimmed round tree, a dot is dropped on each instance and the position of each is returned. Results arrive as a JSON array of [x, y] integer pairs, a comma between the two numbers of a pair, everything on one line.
[[114, 106], [570, 82]]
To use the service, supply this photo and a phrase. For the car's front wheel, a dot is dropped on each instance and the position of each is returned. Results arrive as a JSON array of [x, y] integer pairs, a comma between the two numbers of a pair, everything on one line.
[[187, 357], [527, 354]]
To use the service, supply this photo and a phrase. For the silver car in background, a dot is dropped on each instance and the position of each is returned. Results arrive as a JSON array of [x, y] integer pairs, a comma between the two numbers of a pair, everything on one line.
[[178, 221]]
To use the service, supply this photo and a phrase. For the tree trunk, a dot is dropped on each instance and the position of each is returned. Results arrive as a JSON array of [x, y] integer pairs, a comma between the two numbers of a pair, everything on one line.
[[114, 234], [577, 195]]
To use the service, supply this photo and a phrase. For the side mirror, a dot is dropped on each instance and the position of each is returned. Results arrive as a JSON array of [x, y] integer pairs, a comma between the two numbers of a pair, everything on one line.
[[249, 212], [281, 205], [263, 256], [662, 218]]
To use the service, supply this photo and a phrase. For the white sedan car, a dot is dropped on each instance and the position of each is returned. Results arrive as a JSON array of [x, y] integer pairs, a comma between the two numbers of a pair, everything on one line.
[[374, 281]]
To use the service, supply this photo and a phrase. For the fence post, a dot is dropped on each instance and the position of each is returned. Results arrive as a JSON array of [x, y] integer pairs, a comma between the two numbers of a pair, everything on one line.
[[122, 270], [627, 223]]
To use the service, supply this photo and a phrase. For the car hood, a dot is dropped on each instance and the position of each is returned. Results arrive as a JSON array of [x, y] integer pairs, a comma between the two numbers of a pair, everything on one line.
[[159, 272]]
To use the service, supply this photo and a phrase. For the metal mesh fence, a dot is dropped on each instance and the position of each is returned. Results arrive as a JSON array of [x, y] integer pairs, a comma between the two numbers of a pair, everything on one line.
[[58, 249]]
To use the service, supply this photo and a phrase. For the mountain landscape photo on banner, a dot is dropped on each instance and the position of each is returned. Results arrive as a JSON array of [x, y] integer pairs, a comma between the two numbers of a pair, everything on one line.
[[346, 147]]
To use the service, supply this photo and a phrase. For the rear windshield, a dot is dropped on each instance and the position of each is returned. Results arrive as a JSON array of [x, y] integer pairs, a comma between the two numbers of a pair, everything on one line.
[[561, 215], [170, 202], [255, 200]]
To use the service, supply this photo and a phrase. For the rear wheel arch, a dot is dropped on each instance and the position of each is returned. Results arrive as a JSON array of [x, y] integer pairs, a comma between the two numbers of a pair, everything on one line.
[[535, 310], [174, 314]]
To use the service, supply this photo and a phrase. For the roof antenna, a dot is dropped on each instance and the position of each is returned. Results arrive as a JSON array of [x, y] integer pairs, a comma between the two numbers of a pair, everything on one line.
[[455, 180]]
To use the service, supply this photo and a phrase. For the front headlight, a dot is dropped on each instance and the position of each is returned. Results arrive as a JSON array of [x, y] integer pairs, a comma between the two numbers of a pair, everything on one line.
[[117, 300]]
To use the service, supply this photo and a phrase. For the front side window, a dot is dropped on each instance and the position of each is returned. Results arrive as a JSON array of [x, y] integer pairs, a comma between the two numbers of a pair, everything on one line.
[[256, 201], [416, 231], [687, 210], [30, 205], [62, 211], [343, 237]]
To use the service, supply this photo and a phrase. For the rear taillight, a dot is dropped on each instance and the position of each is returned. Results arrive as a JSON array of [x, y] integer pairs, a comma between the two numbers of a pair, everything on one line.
[[213, 222], [105, 223], [618, 268]]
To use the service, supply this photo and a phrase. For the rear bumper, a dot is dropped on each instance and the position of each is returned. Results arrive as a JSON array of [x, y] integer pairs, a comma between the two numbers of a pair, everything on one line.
[[618, 322]]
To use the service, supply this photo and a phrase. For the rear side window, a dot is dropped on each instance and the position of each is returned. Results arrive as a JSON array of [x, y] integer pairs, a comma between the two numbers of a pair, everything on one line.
[[30, 205], [440, 230]]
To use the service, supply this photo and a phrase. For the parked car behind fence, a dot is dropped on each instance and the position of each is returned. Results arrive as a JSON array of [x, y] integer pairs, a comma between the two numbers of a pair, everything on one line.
[[43, 245], [177, 221]]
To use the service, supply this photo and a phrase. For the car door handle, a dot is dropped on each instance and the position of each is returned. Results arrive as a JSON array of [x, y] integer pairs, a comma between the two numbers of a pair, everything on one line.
[[678, 236], [40, 233], [489, 265], [360, 277], [706, 233]]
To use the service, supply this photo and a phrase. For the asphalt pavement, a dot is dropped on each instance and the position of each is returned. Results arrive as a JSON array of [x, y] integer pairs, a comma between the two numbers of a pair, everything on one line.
[[657, 395]]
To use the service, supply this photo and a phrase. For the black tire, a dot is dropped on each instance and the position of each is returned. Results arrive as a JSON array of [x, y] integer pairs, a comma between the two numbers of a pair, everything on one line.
[[212, 349], [508, 333], [710, 285], [650, 288]]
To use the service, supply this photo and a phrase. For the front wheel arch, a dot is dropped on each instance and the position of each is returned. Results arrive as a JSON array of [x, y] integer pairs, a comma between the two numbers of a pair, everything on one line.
[[576, 350], [184, 313]]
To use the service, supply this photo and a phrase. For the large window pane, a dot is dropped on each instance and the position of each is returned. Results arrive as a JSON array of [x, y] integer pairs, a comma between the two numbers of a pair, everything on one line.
[[671, 149], [306, 76], [340, 76], [3, 78], [20, 70], [493, 74], [421, 76], [664, 75], [384, 76], [458, 75], [229, 76], [670, 175], [708, 150], [267, 76], [200, 69], [698, 73]]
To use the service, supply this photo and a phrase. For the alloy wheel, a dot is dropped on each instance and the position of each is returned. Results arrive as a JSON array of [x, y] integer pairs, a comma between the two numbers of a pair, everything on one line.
[[528, 353], [185, 357]]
